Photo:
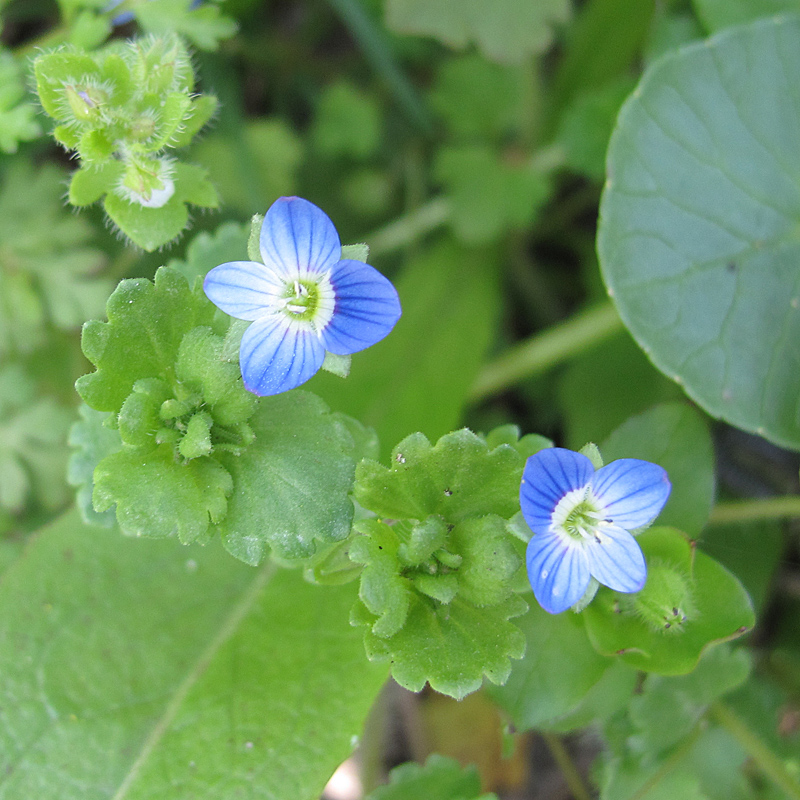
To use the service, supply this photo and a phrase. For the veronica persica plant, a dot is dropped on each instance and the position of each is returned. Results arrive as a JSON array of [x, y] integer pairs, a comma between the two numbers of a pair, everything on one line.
[[582, 521], [303, 300]]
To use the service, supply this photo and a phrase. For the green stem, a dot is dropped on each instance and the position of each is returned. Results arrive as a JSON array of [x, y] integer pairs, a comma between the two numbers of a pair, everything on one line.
[[751, 510], [546, 349], [378, 50], [568, 769], [408, 228], [769, 764]]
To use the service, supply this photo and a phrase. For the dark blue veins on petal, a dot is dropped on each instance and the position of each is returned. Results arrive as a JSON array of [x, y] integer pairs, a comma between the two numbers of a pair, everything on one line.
[[567, 572], [632, 491]]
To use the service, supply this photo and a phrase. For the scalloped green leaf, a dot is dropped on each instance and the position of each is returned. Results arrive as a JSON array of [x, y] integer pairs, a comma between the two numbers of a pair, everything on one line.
[[722, 611], [451, 647], [146, 324], [676, 437], [156, 496], [698, 237], [439, 779], [505, 30], [292, 483], [91, 441], [179, 667], [458, 478]]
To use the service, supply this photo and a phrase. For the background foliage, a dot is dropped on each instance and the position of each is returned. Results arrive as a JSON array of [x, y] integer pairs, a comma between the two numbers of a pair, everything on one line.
[[311, 545]]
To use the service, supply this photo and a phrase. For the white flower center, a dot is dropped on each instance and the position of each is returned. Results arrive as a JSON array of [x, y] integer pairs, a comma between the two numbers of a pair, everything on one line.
[[310, 299], [579, 516]]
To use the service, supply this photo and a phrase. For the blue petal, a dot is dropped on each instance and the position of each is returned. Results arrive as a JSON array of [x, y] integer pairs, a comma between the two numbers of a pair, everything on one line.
[[557, 570], [278, 354], [631, 492], [616, 560], [367, 308], [243, 289], [298, 239], [548, 476]]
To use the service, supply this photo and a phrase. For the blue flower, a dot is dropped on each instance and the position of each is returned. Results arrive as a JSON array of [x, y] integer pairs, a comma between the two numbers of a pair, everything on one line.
[[581, 521], [303, 300]]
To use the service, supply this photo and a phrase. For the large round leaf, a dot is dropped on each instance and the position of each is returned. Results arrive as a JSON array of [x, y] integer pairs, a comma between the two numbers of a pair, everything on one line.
[[699, 237]]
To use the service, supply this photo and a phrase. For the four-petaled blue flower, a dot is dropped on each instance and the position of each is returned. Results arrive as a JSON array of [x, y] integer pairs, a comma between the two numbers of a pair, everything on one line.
[[581, 520], [303, 300]]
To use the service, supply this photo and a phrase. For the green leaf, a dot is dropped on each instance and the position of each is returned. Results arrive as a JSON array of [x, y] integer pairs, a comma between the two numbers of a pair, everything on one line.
[[146, 653], [720, 610], [151, 228], [156, 496], [146, 324], [347, 123], [559, 669], [698, 224], [718, 14], [208, 250], [488, 195], [17, 117], [668, 708], [89, 30], [261, 162], [384, 592], [48, 270], [676, 437], [203, 27], [92, 441], [292, 482], [611, 694], [604, 43], [33, 432], [90, 183], [458, 478], [450, 298], [440, 779], [752, 551], [506, 31], [623, 383], [586, 125], [451, 647], [479, 100]]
